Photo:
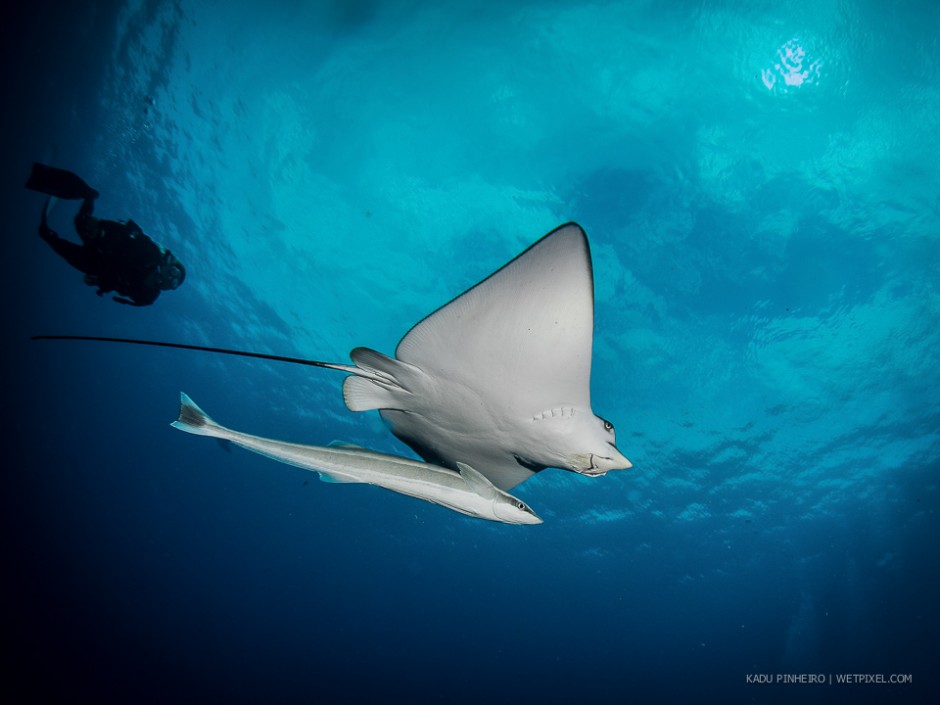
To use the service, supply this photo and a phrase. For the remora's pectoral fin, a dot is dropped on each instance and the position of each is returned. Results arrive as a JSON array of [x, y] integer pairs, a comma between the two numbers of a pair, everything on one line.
[[343, 444], [380, 382], [335, 479], [476, 481]]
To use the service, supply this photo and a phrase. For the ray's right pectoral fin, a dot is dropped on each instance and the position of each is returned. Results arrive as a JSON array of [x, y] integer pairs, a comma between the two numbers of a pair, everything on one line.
[[381, 382]]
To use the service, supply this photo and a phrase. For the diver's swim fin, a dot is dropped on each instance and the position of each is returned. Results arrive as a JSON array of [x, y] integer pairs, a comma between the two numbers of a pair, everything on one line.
[[60, 183]]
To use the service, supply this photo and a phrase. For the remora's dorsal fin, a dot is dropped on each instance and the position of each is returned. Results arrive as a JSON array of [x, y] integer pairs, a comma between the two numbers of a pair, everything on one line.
[[476, 481]]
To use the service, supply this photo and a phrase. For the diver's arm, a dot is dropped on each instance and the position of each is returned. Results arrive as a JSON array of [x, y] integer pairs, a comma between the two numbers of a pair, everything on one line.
[[132, 302], [140, 297]]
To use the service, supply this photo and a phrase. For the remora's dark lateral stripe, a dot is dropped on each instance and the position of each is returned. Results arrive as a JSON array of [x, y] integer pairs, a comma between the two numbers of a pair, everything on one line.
[[183, 346]]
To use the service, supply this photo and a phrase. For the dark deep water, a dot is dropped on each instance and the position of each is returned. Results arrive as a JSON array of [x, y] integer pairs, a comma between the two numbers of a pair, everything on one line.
[[760, 186]]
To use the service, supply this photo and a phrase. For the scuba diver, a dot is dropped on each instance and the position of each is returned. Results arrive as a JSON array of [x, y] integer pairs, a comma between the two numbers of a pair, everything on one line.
[[114, 255]]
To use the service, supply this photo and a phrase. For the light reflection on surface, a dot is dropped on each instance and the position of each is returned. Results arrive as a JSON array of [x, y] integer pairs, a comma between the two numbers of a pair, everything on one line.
[[792, 70]]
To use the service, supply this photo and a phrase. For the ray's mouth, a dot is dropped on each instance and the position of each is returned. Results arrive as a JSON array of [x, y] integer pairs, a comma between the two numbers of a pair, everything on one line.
[[595, 470], [596, 465]]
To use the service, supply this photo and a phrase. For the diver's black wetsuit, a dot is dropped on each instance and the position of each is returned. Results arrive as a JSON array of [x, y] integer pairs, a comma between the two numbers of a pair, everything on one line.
[[114, 255]]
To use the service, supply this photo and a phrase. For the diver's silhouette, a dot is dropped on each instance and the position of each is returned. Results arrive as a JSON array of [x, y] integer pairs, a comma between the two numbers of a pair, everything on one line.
[[114, 255]]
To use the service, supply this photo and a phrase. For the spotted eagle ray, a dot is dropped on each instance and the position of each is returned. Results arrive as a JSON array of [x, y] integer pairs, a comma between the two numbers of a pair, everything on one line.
[[498, 378], [465, 491]]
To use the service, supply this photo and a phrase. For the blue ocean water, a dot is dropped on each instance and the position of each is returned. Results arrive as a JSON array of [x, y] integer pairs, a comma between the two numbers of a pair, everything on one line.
[[759, 182]]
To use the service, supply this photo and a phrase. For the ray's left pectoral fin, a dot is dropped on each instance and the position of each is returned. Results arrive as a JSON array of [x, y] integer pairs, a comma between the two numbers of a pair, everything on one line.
[[525, 333]]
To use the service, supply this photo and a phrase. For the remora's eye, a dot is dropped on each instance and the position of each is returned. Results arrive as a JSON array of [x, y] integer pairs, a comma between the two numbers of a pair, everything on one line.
[[608, 426]]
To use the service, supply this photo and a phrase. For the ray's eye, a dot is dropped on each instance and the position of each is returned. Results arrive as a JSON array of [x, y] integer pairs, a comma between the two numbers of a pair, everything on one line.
[[608, 426]]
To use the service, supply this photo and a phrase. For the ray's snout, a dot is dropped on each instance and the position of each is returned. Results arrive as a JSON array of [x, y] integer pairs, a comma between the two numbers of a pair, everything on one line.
[[616, 461]]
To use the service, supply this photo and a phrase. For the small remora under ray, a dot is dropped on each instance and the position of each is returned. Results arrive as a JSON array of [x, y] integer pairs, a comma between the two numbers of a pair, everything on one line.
[[465, 491], [498, 379]]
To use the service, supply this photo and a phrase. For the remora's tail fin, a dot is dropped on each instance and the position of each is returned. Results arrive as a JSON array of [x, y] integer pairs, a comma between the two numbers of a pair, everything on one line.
[[192, 419]]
